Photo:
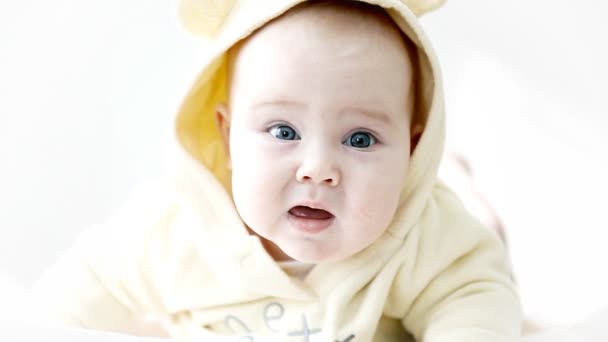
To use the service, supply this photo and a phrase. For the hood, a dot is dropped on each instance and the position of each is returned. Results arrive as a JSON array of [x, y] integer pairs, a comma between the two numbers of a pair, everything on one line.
[[221, 24]]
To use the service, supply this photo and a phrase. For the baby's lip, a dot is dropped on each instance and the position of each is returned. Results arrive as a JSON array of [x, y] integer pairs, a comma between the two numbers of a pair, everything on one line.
[[312, 205]]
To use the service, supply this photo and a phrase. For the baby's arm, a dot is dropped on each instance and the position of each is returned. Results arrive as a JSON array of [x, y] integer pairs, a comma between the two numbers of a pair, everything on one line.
[[101, 282], [467, 293], [73, 293]]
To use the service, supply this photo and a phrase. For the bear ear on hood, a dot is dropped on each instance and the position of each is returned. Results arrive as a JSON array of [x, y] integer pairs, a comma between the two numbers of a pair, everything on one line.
[[420, 7], [204, 18]]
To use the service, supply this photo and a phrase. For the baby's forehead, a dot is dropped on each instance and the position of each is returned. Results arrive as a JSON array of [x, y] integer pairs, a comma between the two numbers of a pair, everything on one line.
[[360, 43], [315, 25]]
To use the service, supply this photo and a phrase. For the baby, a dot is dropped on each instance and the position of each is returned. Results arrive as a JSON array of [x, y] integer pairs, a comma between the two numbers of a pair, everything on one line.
[[305, 205]]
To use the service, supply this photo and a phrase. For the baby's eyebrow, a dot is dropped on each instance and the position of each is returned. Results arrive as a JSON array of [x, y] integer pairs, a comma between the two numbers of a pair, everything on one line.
[[279, 102], [373, 114]]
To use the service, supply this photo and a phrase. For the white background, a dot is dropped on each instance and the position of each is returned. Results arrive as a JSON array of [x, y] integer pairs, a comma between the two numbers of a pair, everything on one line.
[[88, 91]]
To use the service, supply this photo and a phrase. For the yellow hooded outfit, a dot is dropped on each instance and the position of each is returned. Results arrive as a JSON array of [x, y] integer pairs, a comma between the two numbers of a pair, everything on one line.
[[179, 251]]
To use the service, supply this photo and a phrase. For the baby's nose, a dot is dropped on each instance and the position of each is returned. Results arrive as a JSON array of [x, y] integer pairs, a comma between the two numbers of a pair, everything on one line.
[[318, 171]]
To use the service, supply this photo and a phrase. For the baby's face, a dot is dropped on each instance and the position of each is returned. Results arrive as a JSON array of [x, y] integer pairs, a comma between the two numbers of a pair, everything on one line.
[[319, 133]]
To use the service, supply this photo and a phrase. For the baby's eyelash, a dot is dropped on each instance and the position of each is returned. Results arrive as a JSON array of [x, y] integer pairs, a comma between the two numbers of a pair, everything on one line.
[[283, 131], [361, 139]]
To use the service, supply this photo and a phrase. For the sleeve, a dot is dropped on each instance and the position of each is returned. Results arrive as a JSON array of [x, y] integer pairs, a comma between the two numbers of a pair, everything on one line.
[[103, 281], [467, 293]]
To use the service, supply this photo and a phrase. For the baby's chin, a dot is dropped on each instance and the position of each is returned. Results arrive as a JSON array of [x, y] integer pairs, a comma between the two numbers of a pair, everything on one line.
[[311, 252]]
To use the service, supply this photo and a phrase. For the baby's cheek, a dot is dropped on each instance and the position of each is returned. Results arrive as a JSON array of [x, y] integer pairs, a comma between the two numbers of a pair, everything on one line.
[[253, 186], [376, 203], [367, 204], [369, 221], [248, 168], [255, 153]]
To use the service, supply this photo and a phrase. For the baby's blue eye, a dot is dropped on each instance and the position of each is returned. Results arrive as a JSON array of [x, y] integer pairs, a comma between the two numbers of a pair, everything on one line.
[[360, 140], [284, 132]]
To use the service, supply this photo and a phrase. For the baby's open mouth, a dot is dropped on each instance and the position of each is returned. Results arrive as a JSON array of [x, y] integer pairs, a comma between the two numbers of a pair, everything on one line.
[[310, 220], [310, 213]]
